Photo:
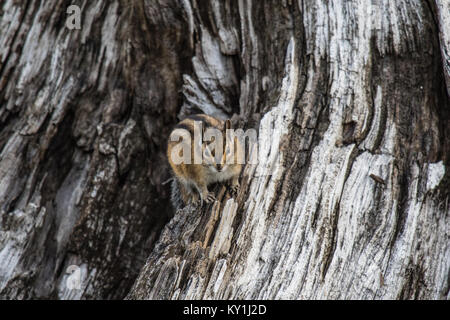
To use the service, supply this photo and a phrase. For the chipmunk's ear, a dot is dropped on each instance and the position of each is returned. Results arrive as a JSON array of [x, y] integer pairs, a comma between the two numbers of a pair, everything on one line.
[[227, 124]]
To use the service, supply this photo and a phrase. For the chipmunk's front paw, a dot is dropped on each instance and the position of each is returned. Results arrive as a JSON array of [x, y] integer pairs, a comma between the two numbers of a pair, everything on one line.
[[210, 198], [235, 189]]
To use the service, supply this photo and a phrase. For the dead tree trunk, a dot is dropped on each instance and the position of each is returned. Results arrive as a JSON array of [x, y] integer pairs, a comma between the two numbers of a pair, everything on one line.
[[84, 118], [349, 199]]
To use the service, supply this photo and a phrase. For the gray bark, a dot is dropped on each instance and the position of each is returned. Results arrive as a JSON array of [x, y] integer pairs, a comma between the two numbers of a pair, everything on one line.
[[84, 117], [350, 199]]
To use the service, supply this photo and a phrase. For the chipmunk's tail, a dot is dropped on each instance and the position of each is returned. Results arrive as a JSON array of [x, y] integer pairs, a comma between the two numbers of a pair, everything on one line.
[[175, 195]]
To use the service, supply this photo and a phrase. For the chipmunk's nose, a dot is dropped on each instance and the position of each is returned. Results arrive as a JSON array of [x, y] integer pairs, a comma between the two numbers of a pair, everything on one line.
[[219, 167]]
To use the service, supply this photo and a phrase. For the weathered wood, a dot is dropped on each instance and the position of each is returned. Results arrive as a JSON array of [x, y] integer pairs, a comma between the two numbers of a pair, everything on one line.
[[84, 116], [442, 19], [350, 198]]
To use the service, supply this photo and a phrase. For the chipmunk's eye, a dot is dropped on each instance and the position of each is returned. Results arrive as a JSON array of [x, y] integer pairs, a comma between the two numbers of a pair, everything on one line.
[[208, 155]]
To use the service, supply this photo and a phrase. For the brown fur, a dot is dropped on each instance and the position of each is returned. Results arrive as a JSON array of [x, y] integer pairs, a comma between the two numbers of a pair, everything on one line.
[[193, 179]]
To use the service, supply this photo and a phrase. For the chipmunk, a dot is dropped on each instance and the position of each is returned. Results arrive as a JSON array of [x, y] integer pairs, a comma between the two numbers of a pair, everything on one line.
[[193, 178]]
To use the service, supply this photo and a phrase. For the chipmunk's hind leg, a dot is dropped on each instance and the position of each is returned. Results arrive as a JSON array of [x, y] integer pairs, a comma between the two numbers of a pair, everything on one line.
[[205, 195], [191, 194]]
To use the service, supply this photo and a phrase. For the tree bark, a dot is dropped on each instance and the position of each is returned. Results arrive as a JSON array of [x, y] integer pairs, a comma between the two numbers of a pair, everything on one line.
[[84, 116], [349, 200]]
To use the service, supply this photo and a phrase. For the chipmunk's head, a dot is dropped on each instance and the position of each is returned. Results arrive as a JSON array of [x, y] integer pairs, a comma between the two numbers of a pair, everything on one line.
[[220, 154]]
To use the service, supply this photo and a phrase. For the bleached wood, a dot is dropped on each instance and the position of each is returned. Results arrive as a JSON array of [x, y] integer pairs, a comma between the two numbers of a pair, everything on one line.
[[353, 229]]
